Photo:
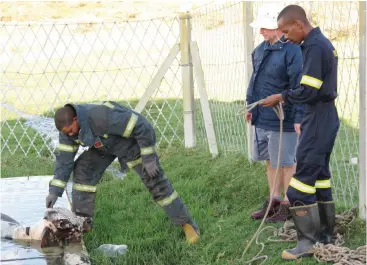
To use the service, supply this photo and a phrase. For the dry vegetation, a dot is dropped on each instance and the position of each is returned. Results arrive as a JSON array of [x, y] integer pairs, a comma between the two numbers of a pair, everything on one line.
[[78, 10]]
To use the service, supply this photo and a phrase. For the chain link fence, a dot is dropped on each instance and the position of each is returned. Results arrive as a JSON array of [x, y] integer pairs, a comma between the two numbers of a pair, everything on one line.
[[44, 65], [220, 31]]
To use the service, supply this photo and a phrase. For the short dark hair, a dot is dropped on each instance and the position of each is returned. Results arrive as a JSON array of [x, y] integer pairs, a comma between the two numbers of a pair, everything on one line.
[[293, 12], [64, 117]]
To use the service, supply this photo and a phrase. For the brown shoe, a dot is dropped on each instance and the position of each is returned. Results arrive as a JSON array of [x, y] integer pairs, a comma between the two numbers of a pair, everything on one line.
[[261, 213], [281, 214]]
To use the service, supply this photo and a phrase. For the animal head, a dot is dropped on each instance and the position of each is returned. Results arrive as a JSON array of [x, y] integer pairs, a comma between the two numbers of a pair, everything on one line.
[[65, 227]]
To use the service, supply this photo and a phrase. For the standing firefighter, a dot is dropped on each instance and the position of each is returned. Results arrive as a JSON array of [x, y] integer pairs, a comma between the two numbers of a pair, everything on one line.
[[111, 130], [309, 190]]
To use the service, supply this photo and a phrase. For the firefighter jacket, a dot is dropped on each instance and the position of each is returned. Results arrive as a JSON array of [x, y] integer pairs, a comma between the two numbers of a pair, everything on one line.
[[111, 128], [319, 75]]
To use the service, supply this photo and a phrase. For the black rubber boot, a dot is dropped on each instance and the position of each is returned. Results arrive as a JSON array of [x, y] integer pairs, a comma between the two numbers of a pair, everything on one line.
[[307, 222], [327, 221]]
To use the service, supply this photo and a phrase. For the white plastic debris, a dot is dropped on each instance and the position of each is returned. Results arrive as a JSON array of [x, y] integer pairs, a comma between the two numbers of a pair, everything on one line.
[[110, 250], [354, 160]]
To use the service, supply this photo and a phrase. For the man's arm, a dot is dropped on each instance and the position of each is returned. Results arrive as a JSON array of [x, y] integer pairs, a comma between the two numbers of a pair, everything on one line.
[[250, 86], [65, 154], [130, 124], [311, 81], [124, 122]]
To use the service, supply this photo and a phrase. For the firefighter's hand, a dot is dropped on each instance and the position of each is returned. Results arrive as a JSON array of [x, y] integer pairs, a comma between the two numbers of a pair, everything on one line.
[[150, 166], [297, 128], [51, 200], [248, 117], [272, 100]]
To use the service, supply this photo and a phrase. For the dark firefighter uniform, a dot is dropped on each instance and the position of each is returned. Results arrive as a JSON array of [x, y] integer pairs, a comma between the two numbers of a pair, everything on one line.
[[310, 186], [111, 131]]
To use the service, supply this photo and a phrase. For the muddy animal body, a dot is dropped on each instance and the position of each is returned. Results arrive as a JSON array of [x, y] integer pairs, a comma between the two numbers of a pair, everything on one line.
[[58, 227]]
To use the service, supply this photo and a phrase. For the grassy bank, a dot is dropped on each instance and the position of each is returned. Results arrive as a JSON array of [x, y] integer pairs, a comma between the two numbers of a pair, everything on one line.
[[20, 156], [166, 116], [220, 193]]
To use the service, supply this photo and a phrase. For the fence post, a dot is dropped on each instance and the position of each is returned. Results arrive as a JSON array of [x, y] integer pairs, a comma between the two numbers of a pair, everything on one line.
[[362, 107], [187, 80], [247, 13]]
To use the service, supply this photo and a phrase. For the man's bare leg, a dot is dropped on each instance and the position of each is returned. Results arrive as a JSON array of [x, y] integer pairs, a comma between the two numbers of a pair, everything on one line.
[[270, 172], [282, 210]]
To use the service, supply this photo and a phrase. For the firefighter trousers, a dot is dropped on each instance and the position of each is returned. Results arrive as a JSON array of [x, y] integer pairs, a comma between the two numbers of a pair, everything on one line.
[[311, 182], [89, 168]]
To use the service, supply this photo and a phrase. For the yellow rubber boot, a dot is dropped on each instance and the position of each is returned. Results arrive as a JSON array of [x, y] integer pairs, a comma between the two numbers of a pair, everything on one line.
[[191, 232]]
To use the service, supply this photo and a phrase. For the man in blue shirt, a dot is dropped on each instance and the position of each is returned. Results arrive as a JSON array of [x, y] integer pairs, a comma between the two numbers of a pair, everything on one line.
[[277, 65], [309, 192]]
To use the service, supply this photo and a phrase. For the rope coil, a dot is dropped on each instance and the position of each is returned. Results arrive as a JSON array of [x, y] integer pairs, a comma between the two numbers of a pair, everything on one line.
[[330, 252]]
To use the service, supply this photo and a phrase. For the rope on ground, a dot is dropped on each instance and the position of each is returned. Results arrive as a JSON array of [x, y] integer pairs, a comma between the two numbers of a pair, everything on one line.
[[322, 253], [288, 233], [336, 252], [340, 255], [330, 252], [278, 109]]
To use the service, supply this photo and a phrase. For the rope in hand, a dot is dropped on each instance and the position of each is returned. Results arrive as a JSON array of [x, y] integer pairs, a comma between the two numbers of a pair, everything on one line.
[[330, 252], [278, 109]]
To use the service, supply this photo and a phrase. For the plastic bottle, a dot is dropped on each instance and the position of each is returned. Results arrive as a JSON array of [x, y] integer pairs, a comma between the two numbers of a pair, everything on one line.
[[110, 250]]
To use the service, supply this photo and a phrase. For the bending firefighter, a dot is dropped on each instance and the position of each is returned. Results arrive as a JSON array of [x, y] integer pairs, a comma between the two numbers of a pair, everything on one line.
[[111, 131], [309, 190]]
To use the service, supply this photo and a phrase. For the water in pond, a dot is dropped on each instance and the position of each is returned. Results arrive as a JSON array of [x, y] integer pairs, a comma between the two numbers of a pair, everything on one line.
[[23, 199]]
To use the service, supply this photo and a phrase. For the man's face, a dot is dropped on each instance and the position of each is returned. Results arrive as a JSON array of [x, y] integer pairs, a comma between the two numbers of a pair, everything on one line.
[[271, 35], [268, 34], [293, 30], [72, 129]]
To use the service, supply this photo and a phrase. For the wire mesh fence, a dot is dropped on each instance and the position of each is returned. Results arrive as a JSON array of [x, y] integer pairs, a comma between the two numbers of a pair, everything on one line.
[[218, 30], [220, 33], [44, 65]]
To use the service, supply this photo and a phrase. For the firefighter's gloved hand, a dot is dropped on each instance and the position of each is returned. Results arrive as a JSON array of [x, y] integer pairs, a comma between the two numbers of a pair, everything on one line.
[[150, 166], [51, 200]]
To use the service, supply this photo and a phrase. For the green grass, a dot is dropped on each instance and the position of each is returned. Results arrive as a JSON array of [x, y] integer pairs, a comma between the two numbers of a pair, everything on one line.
[[230, 132], [220, 193], [24, 158]]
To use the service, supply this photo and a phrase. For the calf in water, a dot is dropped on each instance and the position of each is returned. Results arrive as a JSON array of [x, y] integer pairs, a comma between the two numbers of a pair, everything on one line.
[[58, 228]]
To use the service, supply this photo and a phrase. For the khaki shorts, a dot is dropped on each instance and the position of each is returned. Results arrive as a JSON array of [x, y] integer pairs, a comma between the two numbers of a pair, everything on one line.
[[266, 144]]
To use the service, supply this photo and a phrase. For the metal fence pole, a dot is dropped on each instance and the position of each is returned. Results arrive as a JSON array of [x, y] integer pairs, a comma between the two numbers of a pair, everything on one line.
[[363, 109], [248, 16], [187, 80]]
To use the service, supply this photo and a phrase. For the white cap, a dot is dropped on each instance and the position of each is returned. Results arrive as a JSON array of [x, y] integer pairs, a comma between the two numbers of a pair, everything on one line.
[[267, 17]]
